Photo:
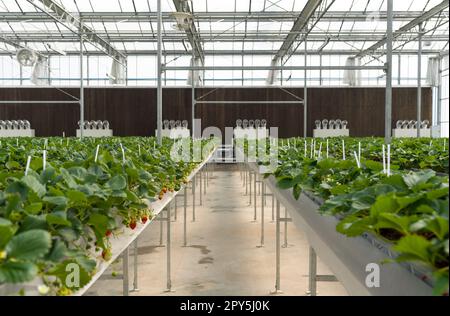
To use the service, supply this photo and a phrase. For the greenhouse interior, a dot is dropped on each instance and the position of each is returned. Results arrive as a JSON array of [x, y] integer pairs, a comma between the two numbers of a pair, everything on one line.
[[224, 148]]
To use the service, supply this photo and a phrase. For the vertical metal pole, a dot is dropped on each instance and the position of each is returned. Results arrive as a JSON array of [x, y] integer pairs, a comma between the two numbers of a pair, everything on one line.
[[285, 245], [305, 94], [193, 198], [320, 71], [193, 94], [159, 89], [205, 180], [254, 199], [175, 215], [388, 105], [263, 190], [185, 218], [439, 101], [135, 266], [278, 250], [419, 82], [200, 187], [399, 79], [273, 207], [125, 272], [81, 83], [169, 280], [161, 229], [312, 272], [250, 186]]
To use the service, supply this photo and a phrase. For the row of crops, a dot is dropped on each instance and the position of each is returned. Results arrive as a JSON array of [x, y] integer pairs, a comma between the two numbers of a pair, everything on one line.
[[62, 200], [398, 193]]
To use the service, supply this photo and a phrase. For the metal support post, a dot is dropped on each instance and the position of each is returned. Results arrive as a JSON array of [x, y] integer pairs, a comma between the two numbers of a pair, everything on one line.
[[205, 180], [175, 213], [200, 186], [161, 229], [312, 272], [159, 74], [305, 94], [278, 252], [273, 207], [250, 186], [419, 82], [168, 249], [125, 272], [388, 105], [81, 82], [193, 198], [254, 199], [185, 218], [285, 245], [135, 267], [263, 189]]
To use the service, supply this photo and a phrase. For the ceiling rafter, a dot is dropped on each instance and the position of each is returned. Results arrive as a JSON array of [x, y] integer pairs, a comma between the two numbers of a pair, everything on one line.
[[61, 15], [406, 28]]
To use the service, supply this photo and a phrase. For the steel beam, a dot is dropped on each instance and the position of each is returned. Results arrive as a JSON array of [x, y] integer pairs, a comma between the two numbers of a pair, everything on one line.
[[406, 28], [191, 33], [388, 104], [61, 15]]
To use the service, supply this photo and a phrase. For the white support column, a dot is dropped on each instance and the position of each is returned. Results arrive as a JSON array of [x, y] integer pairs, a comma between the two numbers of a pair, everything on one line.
[[305, 94], [388, 104], [419, 82], [81, 82], [159, 89]]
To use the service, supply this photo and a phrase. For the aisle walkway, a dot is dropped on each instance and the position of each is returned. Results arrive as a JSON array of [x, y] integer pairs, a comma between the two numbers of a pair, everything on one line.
[[222, 257]]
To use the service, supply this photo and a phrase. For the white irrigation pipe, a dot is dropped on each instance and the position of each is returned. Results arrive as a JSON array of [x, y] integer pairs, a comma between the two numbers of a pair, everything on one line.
[[139, 149], [312, 148], [359, 151], [327, 149], [28, 165], [320, 151], [384, 159]]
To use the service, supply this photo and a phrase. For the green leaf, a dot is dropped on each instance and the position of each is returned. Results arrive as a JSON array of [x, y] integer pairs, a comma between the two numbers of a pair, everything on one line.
[[33, 208], [438, 193], [58, 218], [13, 165], [99, 223], [17, 272], [56, 200], [34, 185], [414, 179], [414, 248], [116, 183], [58, 251], [384, 203], [76, 196], [30, 245], [33, 222], [6, 232]]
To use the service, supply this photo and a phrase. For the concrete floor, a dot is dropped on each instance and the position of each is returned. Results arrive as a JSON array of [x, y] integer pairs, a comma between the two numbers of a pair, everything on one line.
[[222, 257]]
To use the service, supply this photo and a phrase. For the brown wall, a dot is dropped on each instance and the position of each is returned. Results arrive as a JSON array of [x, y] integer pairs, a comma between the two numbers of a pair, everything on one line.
[[132, 111]]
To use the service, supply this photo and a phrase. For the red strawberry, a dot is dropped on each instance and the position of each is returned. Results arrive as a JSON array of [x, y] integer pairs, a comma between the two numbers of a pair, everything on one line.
[[133, 224], [108, 233], [144, 219], [164, 190]]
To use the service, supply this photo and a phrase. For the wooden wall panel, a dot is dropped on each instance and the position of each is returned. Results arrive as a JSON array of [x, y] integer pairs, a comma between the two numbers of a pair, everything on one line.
[[132, 111]]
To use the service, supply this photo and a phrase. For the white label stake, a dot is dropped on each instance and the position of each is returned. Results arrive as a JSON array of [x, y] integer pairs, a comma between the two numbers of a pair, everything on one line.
[[359, 152], [44, 159], [384, 159], [139, 149], [123, 153], [357, 160], [96, 153], [320, 151], [343, 150], [28, 165], [306, 149], [328, 151]]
